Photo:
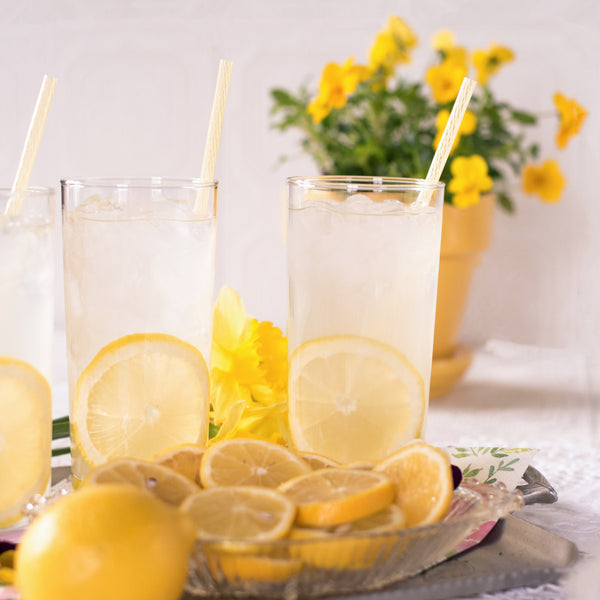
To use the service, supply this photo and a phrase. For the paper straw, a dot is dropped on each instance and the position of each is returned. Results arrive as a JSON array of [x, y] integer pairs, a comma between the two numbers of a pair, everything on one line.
[[448, 136], [214, 128], [32, 144]]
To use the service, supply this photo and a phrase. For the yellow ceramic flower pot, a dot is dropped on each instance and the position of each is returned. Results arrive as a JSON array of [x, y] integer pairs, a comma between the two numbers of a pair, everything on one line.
[[466, 233]]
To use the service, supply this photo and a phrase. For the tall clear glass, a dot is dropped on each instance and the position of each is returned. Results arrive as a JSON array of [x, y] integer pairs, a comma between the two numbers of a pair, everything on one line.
[[26, 344], [139, 259], [363, 259]]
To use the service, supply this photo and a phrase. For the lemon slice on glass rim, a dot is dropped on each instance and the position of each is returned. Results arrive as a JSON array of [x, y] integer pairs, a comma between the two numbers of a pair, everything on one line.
[[141, 394], [25, 436], [353, 398]]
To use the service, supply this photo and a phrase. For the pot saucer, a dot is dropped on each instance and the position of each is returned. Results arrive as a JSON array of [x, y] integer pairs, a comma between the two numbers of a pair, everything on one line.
[[445, 372]]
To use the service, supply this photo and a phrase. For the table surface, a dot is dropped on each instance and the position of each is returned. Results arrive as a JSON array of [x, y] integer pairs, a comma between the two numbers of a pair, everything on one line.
[[514, 396]]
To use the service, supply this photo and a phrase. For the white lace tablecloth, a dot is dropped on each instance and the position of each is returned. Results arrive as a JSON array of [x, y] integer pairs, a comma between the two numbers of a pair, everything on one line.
[[518, 396]]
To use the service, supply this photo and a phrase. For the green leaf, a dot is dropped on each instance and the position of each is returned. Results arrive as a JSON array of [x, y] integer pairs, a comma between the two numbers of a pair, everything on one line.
[[212, 430], [60, 428], [506, 203], [507, 466], [523, 117], [469, 472], [498, 453], [59, 451], [284, 98]]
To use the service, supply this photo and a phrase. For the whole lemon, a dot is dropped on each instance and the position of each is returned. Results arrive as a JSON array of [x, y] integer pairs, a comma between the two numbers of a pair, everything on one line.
[[105, 542]]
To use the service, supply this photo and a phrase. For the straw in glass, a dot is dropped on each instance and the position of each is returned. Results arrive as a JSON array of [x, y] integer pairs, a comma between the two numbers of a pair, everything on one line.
[[214, 132], [32, 144], [448, 136]]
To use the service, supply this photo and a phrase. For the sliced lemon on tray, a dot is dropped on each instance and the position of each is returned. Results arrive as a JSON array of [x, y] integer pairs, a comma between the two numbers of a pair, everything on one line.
[[235, 566], [164, 483], [318, 461], [246, 461], [332, 496], [25, 436], [141, 394], [184, 458], [346, 546], [422, 477], [353, 398], [248, 513]]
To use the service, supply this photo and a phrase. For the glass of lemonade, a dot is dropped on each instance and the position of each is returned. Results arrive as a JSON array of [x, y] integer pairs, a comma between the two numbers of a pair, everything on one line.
[[26, 343], [139, 261], [363, 258]]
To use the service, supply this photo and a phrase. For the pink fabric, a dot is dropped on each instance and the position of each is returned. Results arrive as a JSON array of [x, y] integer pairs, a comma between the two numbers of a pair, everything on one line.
[[12, 536], [8, 592], [476, 536]]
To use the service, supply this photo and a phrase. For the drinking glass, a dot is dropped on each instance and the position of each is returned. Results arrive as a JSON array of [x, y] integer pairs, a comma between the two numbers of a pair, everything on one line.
[[26, 343], [139, 261], [363, 258]]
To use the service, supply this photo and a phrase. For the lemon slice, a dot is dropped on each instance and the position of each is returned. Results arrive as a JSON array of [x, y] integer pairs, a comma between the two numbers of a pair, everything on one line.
[[141, 394], [363, 465], [164, 483], [247, 513], [234, 567], [353, 398], [248, 461], [346, 546], [332, 496], [185, 459], [318, 461], [422, 476], [25, 436]]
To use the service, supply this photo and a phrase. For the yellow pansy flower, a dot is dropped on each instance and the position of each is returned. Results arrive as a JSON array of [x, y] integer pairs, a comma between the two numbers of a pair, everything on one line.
[[318, 109], [392, 46], [381, 55], [442, 40], [445, 80], [571, 117], [405, 37], [467, 126], [248, 371], [487, 62], [545, 180], [337, 83], [469, 178], [457, 55]]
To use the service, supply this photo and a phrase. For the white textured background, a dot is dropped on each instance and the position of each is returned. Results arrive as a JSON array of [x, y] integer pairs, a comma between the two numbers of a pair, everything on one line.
[[135, 85]]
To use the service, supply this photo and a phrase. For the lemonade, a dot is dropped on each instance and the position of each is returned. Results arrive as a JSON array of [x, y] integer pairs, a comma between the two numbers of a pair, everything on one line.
[[363, 257], [139, 258], [26, 283], [26, 341]]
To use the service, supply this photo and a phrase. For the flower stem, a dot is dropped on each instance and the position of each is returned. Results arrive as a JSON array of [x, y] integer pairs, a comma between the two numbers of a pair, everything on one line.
[[60, 428]]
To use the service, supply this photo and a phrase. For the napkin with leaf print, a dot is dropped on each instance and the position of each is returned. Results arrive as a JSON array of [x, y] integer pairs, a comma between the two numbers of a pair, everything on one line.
[[492, 465]]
